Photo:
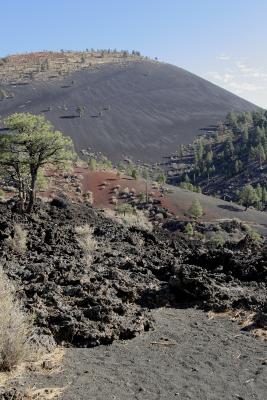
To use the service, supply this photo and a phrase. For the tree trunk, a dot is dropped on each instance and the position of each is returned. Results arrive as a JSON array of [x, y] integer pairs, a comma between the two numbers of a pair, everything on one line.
[[32, 190]]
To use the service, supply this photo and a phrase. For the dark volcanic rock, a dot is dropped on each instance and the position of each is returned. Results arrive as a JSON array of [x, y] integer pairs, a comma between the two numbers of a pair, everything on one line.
[[132, 271], [14, 394], [154, 108]]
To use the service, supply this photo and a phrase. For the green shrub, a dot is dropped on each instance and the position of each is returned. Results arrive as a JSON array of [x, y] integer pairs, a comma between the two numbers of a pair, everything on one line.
[[195, 211], [254, 236], [188, 230], [217, 240]]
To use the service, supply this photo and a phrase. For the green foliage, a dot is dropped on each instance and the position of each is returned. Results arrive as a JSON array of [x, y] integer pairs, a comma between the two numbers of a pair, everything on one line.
[[248, 196], [195, 211], [240, 147], [161, 179], [142, 197], [124, 209], [217, 240], [190, 186], [92, 164], [3, 94], [244, 134], [254, 235], [41, 182], [186, 178], [188, 230], [231, 118], [30, 146], [134, 174], [238, 166], [99, 162]]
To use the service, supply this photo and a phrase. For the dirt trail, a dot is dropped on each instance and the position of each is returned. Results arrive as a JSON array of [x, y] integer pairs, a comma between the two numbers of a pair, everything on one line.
[[187, 356]]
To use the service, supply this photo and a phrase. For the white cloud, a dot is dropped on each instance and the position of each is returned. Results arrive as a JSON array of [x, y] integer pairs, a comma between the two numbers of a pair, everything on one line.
[[241, 77], [223, 57], [249, 72]]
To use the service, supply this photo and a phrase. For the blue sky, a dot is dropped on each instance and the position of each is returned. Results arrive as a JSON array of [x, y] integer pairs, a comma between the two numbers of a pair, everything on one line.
[[222, 41]]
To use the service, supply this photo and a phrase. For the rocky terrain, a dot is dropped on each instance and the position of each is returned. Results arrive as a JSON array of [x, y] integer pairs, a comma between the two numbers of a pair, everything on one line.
[[132, 271], [137, 304]]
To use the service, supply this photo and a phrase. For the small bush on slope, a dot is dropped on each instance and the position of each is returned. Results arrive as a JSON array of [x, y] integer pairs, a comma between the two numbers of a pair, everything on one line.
[[252, 233], [15, 327], [136, 219], [84, 236], [19, 240]]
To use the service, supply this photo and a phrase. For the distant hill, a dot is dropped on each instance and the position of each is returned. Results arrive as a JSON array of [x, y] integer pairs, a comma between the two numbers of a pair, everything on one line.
[[130, 106]]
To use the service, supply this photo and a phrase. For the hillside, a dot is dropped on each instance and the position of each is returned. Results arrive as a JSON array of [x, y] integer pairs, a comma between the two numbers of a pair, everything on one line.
[[222, 164], [175, 200], [121, 105]]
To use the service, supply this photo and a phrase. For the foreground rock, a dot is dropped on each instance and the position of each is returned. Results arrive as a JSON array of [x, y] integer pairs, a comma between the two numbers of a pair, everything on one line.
[[131, 271]]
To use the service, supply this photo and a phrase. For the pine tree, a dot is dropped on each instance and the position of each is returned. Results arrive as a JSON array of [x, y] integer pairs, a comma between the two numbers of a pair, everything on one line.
[[245, 135], [196, 210], [32, 145], [248, 196], [189, 231], [134, 174]]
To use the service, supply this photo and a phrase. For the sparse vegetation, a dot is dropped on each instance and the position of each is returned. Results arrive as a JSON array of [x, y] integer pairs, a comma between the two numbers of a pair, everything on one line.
[[217, 240], [130, 217], [225, 162], [253, 235], [15, 327], [99, 162], [80, 110], [189, 186], [189, 230], [86, 240], [89, 197], [195, 211], [18, 240], [134, 174], [44, 65]]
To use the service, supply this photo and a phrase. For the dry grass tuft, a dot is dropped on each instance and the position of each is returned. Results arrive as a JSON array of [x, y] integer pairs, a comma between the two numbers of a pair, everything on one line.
[[15, 327], [45, 393], [18, 242], [245, 319], [32, 393], [85, 238], [137, 219], [46, 364]]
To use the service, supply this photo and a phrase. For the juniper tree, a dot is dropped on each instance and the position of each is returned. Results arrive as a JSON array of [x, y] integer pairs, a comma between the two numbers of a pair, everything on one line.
[[30, 144]]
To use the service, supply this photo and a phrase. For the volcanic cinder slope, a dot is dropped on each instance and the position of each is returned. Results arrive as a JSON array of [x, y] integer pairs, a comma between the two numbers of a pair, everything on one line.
[[141, 108]]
